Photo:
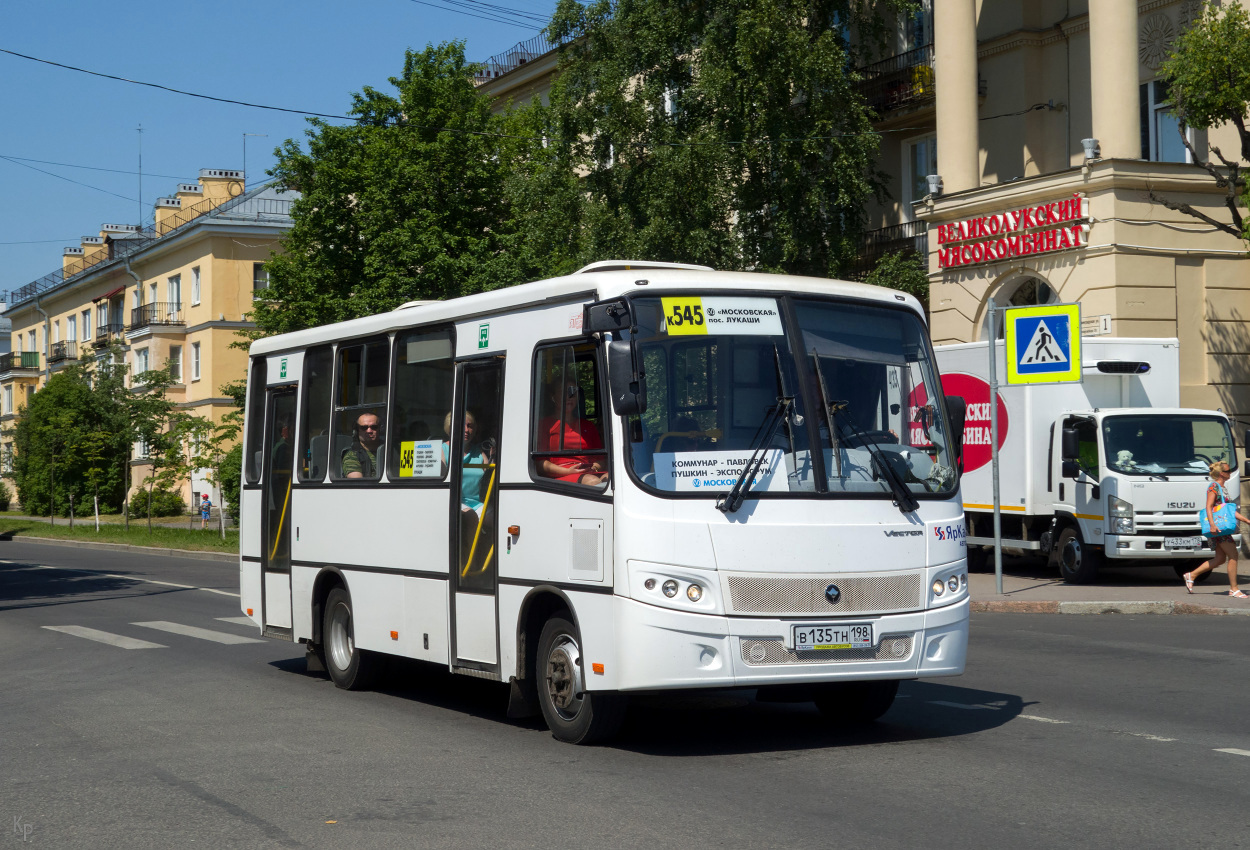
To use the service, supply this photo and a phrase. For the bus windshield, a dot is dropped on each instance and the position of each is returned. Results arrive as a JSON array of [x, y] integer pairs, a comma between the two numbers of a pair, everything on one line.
[[1166, 444], [853, 378]]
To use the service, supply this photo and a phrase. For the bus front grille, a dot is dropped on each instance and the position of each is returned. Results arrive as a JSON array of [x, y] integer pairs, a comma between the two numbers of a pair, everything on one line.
[[798, 595], [760, 652]]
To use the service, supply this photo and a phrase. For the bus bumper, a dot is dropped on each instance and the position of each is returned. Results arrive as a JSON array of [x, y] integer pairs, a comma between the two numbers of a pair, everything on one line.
[[660, 648]]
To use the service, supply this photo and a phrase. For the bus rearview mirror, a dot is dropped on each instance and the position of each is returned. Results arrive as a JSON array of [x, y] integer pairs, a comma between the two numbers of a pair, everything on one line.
[[626, 381], [606, 316]]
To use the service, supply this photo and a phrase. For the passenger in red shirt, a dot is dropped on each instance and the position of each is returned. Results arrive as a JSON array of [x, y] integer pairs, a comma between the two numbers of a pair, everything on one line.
[[578, 434]]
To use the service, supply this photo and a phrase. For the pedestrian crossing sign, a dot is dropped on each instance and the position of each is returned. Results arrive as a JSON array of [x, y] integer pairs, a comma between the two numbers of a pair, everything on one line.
[[1043, 344]]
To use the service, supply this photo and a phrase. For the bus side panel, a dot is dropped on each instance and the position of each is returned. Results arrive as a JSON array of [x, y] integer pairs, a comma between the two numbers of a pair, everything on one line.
[[302, 581], [424, 632], [401, 528], [377, 610], [249, 522], [563, 540], [249, 589]]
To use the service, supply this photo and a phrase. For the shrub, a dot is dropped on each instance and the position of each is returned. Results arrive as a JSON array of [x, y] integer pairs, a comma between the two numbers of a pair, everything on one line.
[[164, 503], [5, 496]]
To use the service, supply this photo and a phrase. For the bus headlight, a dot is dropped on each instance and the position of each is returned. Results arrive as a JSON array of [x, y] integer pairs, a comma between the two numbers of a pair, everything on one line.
[[1120, 516], [670, 588], [948, 588], [694, 593], [939, 587]]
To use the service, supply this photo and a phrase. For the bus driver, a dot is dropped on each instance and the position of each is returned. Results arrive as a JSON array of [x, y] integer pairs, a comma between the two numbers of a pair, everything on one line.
[[360, 459]]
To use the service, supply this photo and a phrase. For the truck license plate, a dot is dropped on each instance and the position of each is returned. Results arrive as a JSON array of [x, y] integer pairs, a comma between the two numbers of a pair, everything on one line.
[[1182, 542], [841, 636]]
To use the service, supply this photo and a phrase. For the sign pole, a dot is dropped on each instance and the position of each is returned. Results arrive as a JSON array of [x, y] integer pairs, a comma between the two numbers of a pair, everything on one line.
[[998, 519]]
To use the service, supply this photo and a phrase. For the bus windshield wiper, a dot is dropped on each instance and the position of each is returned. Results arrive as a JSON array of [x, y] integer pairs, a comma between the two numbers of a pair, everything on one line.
[[777, 414], [904, 499]]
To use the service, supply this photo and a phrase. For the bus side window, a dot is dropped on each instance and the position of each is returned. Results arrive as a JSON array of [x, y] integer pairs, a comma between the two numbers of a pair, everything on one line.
[[422, 402], [314, 432], [252, 456], [569, 419], [360, 411]]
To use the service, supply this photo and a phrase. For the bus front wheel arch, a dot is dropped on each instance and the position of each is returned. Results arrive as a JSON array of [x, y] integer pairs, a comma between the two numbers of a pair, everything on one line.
[[573, 714]]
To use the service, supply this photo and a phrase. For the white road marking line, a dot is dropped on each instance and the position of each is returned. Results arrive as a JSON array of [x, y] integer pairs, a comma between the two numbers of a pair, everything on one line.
[[962, 705], [1235, 751], [192, 631], [238, 621], [133, 578], [1041, 719], [1144, 735], [106, 637]]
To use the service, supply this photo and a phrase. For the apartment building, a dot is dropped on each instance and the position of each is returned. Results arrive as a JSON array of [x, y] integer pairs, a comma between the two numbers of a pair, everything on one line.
[[176, 292]]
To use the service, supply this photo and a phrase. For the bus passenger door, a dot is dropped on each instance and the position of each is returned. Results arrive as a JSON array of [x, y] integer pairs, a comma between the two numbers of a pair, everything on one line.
[[475, 439], [276, 535]]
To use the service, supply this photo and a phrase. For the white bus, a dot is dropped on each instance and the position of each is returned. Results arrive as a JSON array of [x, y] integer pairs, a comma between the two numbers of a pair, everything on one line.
[[634, 478]]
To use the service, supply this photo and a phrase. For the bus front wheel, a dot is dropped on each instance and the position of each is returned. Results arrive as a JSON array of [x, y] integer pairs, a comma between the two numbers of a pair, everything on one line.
[[349, 666], [573, 714], [856, 702]]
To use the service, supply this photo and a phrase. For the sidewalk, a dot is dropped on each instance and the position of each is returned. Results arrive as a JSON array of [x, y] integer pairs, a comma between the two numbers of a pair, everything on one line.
[[1030, 588]]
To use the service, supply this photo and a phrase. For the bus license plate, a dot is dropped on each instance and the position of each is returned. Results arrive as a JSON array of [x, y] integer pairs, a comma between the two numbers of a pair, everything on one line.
[[1182, 542], [842, 636]]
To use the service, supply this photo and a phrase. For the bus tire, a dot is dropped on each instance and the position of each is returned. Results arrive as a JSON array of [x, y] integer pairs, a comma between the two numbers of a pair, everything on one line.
[[856, 702], [1078, 561], [573, 714], [349, 666]]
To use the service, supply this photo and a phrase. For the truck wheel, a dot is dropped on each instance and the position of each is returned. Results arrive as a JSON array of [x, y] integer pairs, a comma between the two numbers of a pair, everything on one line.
[[1078, 561], [1188, 567], [349, 666], [856, 702], [573, 714]]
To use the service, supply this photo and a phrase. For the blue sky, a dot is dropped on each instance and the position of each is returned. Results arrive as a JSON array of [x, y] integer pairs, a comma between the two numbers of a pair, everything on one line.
[[300, 55]]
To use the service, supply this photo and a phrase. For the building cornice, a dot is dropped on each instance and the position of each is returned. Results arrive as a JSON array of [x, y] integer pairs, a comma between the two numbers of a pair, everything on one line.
[[1060, 31]]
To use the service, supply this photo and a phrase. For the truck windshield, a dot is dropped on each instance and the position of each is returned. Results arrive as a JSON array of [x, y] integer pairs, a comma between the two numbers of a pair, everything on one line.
[[1166, 444], [719, 367]]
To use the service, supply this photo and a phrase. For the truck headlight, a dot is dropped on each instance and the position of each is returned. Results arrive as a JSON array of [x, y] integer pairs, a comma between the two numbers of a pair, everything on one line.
[[1120, 516]]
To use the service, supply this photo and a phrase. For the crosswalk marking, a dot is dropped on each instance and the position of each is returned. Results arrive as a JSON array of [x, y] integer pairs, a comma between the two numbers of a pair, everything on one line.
[[238, 621], [192, 631], [1235, 751], [1040, 719], [106, 637]]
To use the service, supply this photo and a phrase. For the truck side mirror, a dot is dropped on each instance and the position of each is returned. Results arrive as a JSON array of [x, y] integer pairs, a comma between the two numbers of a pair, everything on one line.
[[1071, 469], [627, 386], [957, 409], [1071, 448]]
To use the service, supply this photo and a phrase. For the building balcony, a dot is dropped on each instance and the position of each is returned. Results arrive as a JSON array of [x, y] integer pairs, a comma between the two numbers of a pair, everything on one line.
[[905, 81], [158, 313], [106, 334], [909, 237], [19, 363], [62, 351]]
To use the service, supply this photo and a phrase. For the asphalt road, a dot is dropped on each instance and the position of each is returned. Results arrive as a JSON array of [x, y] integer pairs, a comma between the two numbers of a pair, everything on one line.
[[1066, 731]]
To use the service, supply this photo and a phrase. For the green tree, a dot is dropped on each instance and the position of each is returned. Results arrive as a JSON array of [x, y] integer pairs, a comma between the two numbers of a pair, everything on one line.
[[904, 271], [732, 133], [160, 426], [1208, 77], [406, 203]]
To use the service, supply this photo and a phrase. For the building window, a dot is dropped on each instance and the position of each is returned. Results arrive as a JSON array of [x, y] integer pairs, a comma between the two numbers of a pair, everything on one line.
[[260, 277], [175, 363], [1160, 133], [18, 337], [195, 285], [141, 361], [8, 400], [195, 361], [152, 293], [56, 331], [174, 288], [71, 328], [920, 162], [86, 324], [917, 30], [31, 337]]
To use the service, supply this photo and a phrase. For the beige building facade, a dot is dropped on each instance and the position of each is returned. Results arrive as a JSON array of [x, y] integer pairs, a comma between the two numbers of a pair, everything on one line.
[[175, 293]]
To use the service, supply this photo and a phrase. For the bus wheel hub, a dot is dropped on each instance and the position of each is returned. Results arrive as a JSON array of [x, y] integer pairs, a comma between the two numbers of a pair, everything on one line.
[[564, 675]]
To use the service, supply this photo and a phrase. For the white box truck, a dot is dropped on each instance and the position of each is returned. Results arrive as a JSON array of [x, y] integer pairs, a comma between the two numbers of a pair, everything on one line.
[[1108, 469]]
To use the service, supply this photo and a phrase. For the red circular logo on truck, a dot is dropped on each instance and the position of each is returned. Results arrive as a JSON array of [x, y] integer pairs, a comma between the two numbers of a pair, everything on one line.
[[977, 425]]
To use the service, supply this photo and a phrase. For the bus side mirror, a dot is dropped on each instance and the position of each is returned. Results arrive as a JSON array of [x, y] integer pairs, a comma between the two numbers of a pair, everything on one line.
[[957, 409], [606, 316], [1071, 448], [626, 380]]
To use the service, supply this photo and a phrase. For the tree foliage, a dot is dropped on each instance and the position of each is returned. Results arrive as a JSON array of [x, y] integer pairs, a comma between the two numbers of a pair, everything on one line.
[[904, 271], [406, 203], [1208, 76]]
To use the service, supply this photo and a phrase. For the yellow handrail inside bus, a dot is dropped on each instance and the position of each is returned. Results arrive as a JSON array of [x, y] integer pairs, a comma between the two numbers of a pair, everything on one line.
[[481, 518], [287, 501]]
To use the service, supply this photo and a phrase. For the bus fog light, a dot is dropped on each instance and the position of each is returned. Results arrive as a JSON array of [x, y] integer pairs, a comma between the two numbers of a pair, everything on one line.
[[953, 584], [939, 587], [694, 593], [963, 579], [670, 588], [649, 584]]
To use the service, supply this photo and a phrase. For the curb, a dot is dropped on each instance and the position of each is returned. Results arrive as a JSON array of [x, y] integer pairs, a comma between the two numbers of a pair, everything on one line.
[[1013, 607], [225, 557]]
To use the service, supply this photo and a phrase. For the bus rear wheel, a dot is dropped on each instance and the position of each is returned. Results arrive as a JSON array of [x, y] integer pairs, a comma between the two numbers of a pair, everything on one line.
[[856, 702], [573, 714], [349, 666]]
